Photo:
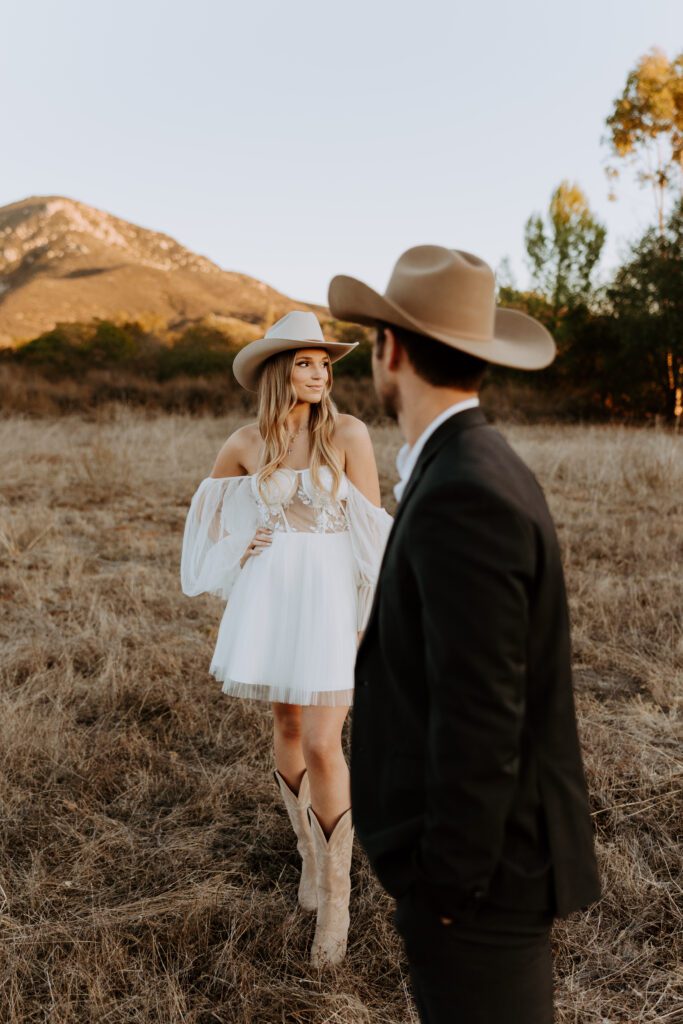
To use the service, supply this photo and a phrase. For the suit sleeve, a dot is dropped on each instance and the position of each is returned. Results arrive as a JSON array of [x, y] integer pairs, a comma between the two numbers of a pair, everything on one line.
[[473, 558]]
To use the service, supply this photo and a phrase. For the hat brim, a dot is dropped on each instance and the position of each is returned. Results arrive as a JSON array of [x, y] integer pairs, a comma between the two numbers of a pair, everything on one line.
[[519, 341], [249, 360]]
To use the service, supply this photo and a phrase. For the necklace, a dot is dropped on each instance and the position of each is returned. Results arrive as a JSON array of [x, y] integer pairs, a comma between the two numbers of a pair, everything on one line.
[[295, 434]]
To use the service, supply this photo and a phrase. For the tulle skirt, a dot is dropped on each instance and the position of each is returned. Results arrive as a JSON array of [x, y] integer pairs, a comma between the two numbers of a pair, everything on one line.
[[289, 630]]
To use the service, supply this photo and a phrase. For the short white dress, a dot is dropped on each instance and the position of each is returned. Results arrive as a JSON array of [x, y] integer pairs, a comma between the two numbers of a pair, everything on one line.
[[289, 629]]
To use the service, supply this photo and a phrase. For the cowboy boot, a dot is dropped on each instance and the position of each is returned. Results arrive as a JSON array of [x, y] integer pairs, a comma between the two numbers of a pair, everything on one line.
[[333, 869], [296, 805]]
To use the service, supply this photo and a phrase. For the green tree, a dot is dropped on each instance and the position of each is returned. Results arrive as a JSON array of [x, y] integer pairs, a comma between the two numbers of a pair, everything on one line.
[[59, 352], [505, 277], [112, 344], [564, 250], [200, 351], [645, 128], [647, 302]]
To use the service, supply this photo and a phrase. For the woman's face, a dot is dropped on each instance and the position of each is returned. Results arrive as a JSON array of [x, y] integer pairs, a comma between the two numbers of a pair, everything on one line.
[[311, 374]]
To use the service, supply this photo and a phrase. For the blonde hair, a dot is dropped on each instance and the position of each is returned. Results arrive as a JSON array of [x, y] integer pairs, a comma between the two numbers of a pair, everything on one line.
[[276, 399]]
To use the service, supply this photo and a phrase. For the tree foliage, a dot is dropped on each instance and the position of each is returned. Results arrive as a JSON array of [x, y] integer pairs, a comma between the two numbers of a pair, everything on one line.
[[645, 127], [564, 250], [646, 300], [200, 351]]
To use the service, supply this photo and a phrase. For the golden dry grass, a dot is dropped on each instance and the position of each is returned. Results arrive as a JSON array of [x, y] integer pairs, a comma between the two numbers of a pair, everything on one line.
[[148, 869]]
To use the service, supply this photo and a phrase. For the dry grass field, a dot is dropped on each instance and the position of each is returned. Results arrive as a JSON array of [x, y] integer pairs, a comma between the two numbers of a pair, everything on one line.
[[147, 869]]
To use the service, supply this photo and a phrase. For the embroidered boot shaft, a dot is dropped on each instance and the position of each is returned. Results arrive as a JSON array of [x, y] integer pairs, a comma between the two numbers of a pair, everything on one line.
[[333, 866], [296, 806]]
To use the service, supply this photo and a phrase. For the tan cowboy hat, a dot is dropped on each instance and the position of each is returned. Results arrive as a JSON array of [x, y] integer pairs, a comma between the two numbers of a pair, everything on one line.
[[449, 295], [294, 330]]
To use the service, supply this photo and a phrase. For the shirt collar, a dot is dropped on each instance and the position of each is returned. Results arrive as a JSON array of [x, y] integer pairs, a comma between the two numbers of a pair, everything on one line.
[[408, 455]]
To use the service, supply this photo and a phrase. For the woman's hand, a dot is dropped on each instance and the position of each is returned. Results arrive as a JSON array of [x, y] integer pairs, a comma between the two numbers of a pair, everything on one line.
[[261, 539]]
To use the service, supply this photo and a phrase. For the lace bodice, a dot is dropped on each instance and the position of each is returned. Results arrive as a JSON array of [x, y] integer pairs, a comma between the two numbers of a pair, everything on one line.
[[225, 512], [291, 502]]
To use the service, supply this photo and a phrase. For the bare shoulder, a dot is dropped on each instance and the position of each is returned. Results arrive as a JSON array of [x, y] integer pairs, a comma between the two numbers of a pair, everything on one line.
[[353, 437], [238, 453], [351, 433]]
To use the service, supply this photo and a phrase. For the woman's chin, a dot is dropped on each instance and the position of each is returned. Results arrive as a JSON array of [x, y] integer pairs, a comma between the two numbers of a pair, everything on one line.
[[313, 397]]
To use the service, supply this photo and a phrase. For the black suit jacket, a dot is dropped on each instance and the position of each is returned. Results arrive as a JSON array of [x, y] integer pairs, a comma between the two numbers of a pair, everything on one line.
[[466, 772]]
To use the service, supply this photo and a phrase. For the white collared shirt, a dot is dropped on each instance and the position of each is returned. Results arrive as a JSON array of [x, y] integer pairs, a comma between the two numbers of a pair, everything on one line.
[[408, 456]]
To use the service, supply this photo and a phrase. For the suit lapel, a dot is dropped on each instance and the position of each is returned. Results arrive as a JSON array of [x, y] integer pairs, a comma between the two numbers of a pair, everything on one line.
[[449, 428]]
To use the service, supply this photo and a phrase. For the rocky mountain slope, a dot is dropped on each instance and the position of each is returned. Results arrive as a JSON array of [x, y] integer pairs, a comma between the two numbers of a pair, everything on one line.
[[64, 261]]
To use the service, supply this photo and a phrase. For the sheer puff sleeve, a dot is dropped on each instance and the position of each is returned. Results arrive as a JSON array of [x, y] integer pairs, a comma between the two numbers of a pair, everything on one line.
[[369, 528], [221, 521]]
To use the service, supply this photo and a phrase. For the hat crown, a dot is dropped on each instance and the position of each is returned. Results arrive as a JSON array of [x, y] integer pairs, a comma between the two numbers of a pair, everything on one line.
[[449, 295], [295, 330], [296, 326], [447, 289]]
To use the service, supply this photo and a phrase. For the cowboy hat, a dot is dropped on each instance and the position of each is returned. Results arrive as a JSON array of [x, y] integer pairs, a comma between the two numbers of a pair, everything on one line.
[[449, 295], [294, 330]]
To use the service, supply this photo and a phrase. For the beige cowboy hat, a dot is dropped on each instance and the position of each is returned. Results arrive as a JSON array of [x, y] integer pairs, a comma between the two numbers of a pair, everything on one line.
[[297, 329], [449, 295]]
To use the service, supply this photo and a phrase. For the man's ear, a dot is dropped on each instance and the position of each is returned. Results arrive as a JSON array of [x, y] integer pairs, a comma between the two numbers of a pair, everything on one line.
[[394, 351]]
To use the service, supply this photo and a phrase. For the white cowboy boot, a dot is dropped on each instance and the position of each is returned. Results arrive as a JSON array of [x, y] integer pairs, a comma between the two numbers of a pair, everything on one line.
[[333, 867], [296, 805]]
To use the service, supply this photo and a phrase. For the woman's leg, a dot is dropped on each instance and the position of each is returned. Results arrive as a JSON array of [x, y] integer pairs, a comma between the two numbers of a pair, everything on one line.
[[328, 773], [289, 758], [332, 831]]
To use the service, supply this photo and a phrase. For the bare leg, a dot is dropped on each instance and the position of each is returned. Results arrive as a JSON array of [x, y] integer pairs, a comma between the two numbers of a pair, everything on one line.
[[328, 773], [289, 758]]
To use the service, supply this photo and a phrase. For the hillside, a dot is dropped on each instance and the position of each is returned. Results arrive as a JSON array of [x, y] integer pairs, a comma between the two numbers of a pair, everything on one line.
[[64, 261]]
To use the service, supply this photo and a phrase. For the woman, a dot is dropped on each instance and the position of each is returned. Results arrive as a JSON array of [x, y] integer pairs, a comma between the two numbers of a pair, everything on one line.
[[289, 527]]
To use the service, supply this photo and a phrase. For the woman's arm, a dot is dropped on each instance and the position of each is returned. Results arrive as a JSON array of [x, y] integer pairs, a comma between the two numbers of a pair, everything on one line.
[[221, 527], [231, 459], [230, 462], [361, 467], [369, 528]]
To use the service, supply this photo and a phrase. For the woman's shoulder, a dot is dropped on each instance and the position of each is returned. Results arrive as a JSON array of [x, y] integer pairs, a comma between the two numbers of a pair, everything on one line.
[[350, 431], [353, 438], [348, 424], [237, 452]]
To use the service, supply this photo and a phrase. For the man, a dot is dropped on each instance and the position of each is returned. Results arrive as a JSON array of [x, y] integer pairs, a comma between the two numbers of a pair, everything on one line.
[[467, 785]]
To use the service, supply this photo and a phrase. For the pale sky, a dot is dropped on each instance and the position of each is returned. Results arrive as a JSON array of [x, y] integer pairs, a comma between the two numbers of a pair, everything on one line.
[[294, 141]]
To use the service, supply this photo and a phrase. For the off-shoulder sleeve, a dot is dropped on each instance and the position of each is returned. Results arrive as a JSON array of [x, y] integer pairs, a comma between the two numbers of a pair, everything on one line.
[[369, 528], [220, 523]]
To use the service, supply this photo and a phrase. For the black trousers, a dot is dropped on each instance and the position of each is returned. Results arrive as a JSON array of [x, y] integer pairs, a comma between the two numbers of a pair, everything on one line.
[[490, 967]]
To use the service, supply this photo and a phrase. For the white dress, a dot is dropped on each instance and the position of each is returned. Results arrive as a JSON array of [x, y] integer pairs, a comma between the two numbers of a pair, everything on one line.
[[289, 630]]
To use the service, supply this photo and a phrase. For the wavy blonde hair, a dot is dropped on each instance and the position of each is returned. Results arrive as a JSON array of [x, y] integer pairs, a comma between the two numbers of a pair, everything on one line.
[[276, 399]]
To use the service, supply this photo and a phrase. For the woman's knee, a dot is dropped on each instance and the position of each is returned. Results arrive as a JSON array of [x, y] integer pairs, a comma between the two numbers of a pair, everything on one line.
[[321, 750], [287, 720]]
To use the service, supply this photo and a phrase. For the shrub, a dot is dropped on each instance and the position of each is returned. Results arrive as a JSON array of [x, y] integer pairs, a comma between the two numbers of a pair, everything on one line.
[[61, 350], [112, 345], [199, 352]]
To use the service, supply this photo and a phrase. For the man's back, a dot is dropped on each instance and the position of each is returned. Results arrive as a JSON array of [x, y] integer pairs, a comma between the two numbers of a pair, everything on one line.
[[480, 795]]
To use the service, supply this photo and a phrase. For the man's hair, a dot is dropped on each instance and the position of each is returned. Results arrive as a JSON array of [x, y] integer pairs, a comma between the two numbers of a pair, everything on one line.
[[435, 361]]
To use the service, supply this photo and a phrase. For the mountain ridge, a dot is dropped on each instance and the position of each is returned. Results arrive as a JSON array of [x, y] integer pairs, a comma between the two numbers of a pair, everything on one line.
[[63, 261]]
